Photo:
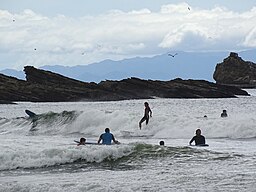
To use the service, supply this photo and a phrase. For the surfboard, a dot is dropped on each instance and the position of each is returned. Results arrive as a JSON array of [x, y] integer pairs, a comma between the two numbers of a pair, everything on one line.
[[30, 113], [87, 143], [93, 143], [201, 145]]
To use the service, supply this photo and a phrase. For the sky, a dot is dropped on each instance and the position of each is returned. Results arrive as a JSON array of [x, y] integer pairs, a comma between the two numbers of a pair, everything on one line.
[[80, 32]]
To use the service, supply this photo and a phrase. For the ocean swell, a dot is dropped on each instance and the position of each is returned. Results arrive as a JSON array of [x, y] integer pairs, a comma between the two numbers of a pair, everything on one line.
[[133, 154]]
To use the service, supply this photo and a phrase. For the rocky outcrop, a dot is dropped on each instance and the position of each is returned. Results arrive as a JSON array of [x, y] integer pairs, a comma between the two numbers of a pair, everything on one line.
[[46, 86], [6, 102], [235, 71]]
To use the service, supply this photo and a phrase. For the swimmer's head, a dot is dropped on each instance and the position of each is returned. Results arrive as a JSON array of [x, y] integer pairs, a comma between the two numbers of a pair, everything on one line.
[[107, 130], [82, 141], [161, 143], [198, 132]]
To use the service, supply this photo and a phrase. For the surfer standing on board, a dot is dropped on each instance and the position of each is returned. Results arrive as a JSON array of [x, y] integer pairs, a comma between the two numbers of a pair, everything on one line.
[[147, 112]]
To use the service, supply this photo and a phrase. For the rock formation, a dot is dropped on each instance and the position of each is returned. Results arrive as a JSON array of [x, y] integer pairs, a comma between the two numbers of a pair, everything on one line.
[[235, 71], [46, 86]]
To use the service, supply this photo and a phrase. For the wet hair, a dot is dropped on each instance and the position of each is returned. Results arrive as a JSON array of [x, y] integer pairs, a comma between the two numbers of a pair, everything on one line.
[[82, 140], [107, 130], [146, 103], [224, 113], [198, 132], [161, 143]]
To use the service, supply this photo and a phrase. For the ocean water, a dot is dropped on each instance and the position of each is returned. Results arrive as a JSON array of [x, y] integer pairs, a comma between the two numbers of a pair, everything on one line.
[[41, 155]]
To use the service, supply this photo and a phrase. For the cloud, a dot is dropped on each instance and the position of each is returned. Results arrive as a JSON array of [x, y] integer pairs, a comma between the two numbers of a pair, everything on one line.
[[117, 34], [250, 39], [181, 8]]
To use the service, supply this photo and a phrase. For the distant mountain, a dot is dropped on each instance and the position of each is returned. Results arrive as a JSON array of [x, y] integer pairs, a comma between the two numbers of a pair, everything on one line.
[[13, 73], [161, 67], [185, 65]]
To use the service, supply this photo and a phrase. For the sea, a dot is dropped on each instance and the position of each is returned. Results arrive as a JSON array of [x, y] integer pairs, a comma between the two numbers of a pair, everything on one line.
[[40, 154]]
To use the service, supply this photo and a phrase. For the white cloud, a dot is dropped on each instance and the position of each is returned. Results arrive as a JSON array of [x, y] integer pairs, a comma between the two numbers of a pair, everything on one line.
[[118, 34], [175, 8], [250, 40]]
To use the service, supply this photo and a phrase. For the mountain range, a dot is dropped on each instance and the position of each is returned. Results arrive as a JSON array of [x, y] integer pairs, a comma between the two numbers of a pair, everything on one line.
[[185, 65]]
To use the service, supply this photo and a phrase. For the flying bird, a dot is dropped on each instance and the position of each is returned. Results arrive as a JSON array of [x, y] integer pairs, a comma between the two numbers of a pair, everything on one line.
[[172, 55], [189, 8]]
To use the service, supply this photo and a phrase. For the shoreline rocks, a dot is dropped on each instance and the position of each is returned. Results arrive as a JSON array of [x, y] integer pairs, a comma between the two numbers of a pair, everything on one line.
[[235, 71], [46, 86]]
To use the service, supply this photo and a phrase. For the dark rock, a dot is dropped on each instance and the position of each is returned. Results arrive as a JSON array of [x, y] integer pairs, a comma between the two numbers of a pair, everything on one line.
[[6, 102], [46, 86], [235, 71]]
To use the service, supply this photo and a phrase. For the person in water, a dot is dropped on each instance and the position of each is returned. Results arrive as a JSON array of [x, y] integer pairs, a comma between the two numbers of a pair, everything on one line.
[[107, 138], [224, 113], [161, 143], [147, 113], [198, 138], [82, 141]]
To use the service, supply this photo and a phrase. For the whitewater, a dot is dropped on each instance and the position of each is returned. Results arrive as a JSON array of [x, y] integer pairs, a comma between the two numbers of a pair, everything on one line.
[[40, 154]]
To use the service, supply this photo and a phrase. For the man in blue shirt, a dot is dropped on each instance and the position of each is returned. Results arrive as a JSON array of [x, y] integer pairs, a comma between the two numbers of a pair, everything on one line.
[[107, 137]]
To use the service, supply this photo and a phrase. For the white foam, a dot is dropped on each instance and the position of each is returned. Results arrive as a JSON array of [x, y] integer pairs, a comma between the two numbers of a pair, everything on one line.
[[172, 118], [34, 152]]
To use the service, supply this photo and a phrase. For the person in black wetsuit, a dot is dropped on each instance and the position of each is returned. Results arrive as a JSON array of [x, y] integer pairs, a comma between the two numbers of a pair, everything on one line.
[[161, 143], [199, 139], [147, 112], [224, 113]]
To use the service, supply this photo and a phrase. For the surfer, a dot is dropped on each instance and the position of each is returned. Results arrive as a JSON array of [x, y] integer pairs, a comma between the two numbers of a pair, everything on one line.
[[147, 112], [224, 113], [161, 143], [107, 137], [34, 117], [82, 141], [30, 113], [198, 138]]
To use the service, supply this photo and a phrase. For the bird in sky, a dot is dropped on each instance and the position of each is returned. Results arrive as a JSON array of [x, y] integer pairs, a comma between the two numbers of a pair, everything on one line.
[[189, 8], [172, 55]]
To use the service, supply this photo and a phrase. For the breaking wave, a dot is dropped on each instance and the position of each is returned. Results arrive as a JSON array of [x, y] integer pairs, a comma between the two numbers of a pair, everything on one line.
[[124, 155]]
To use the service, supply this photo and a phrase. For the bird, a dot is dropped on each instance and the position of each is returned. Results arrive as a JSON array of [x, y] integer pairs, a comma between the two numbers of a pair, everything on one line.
[[34, 49], [172, 55], [189, 8], [13, 20]]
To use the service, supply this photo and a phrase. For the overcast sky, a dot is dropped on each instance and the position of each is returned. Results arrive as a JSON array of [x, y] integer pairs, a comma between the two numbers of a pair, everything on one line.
[[76, 32]]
